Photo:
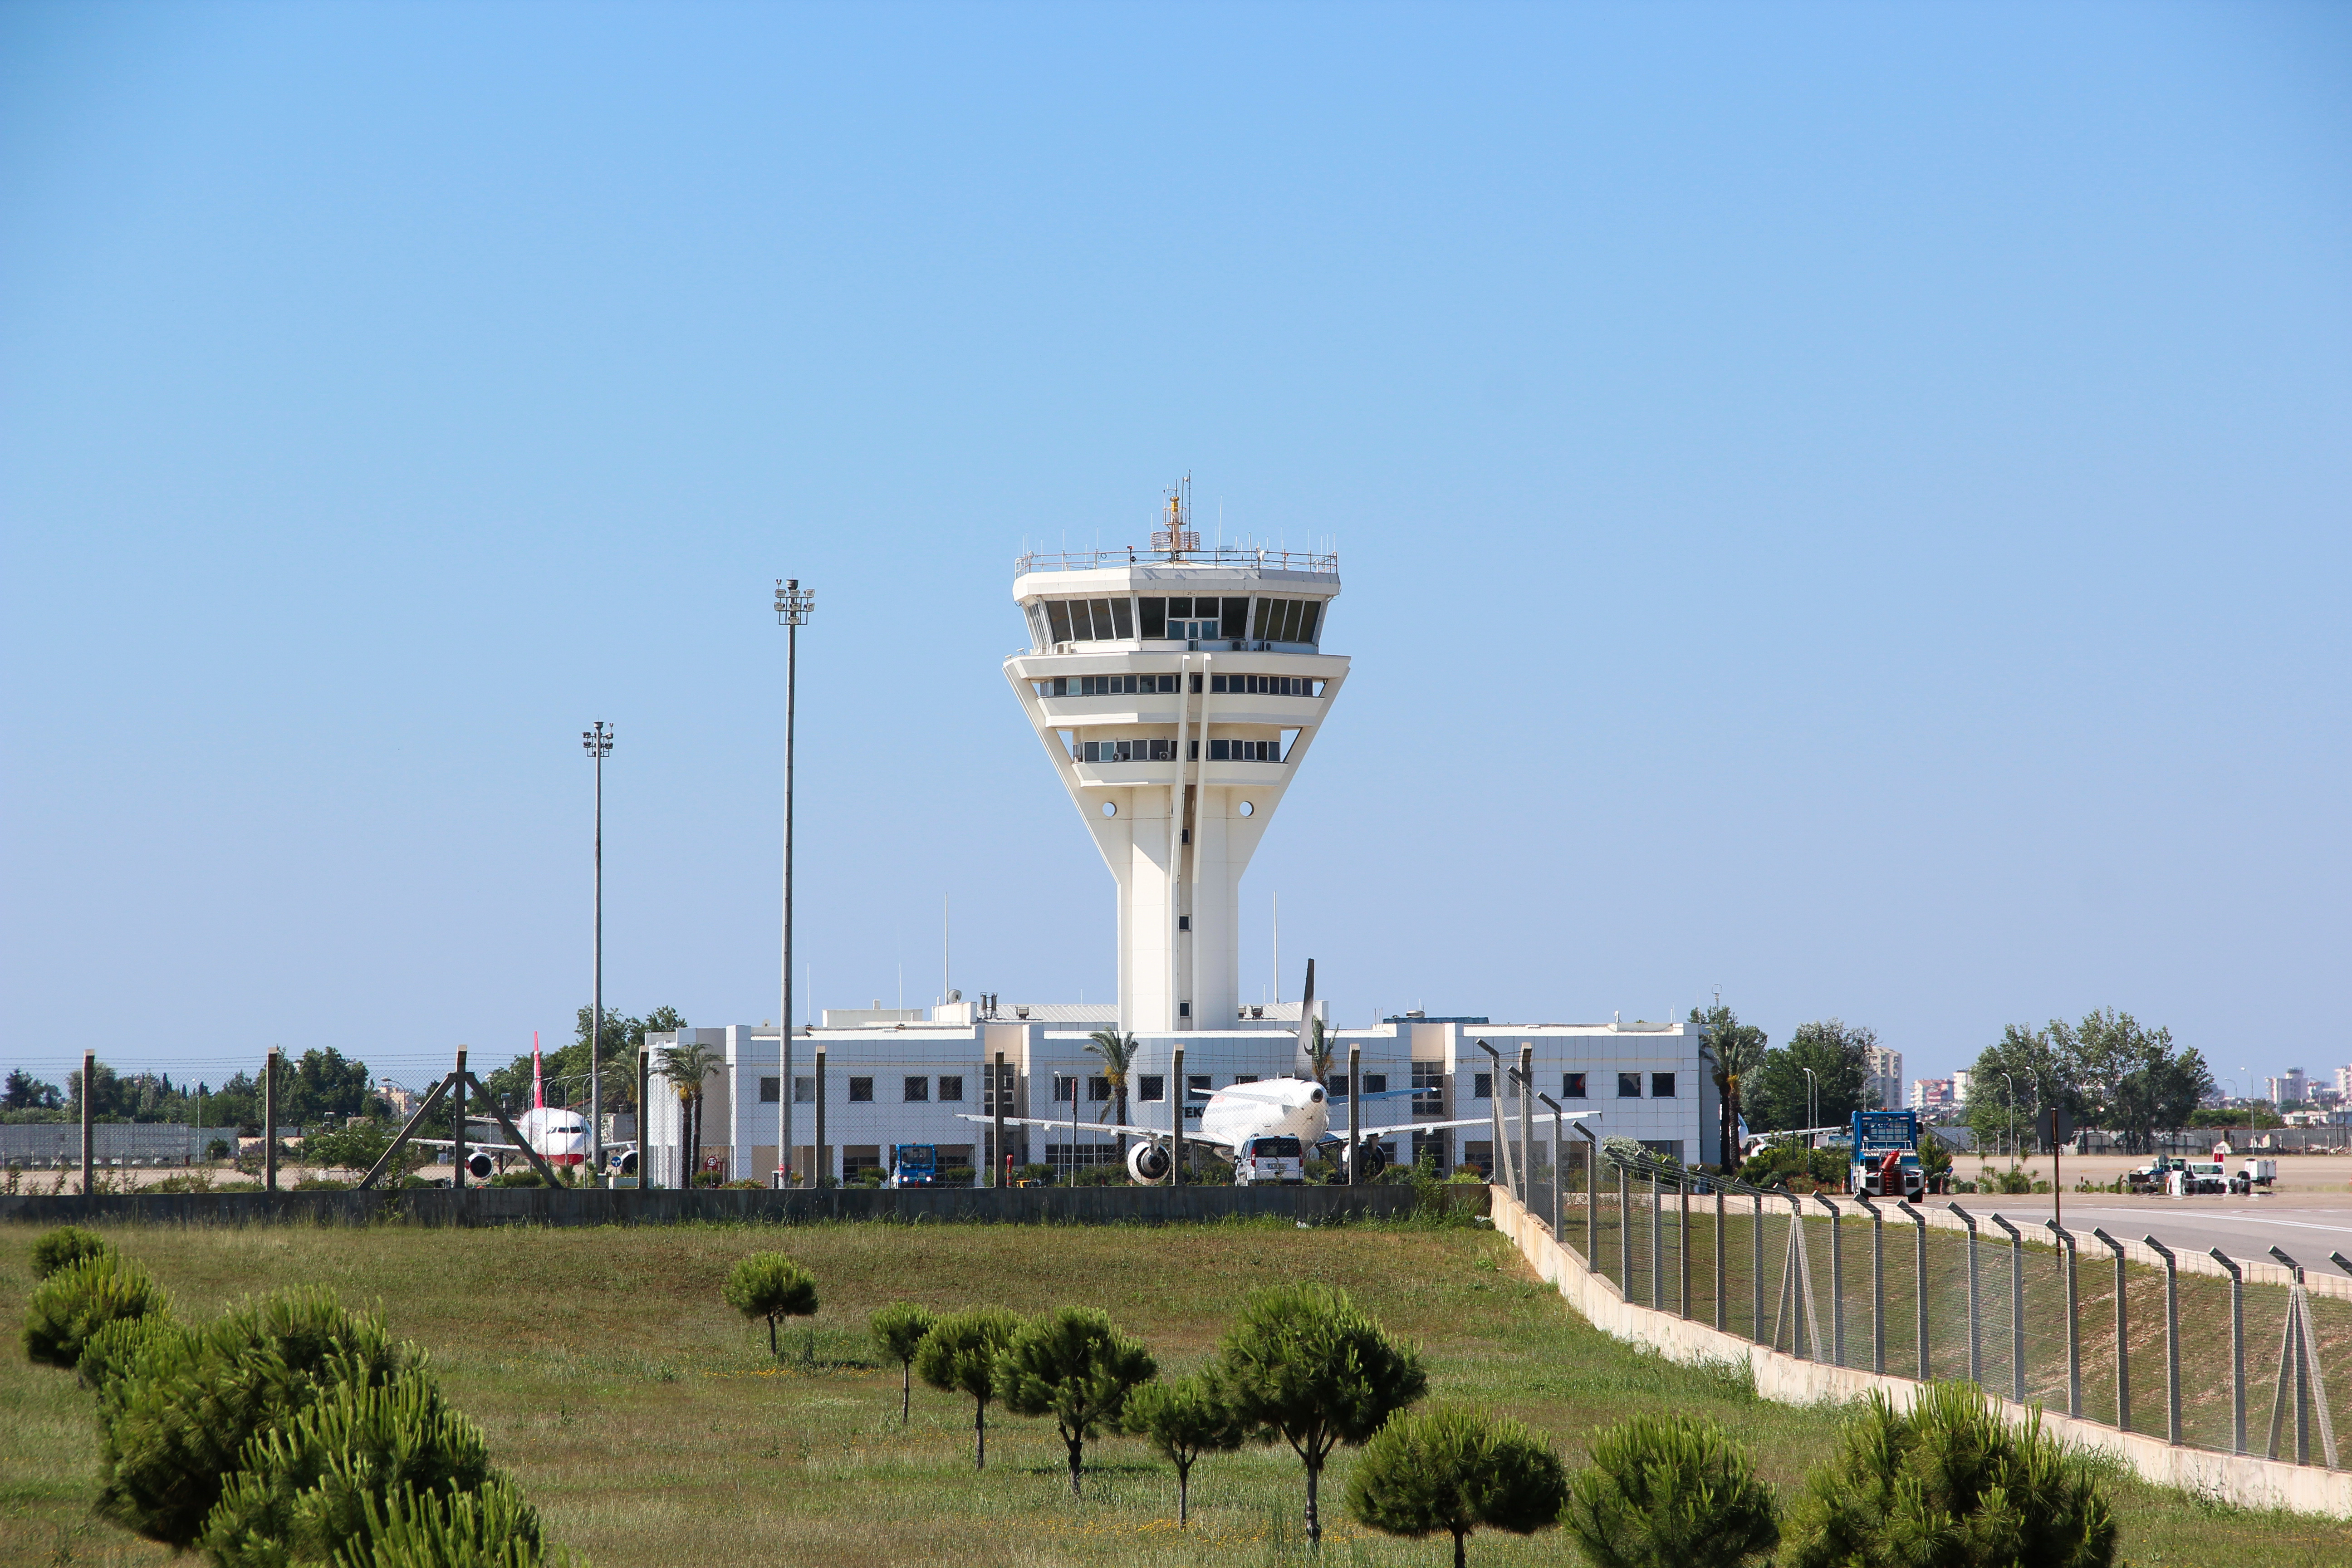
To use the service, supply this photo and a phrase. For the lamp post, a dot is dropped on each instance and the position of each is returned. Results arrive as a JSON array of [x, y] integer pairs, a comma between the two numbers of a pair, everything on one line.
[[598, 744], [1812, 1104], [2012, 1119], [793, 603]]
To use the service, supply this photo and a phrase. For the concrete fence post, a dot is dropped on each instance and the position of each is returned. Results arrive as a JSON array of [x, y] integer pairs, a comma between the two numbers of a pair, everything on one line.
[[1592, 1197], [1756, 1319], [1657, 1263], [2171, 1339], [2237, 1348], [2016, 1308], [1681, 1242], [2074, 1322], [1837, 1286], [1526, 1073], [1720, 1274], [2122, 1335], [2294, 1368], [1919, 1265], [1976, 1315], [1176, 1102], [1625, 1232], [1877, 1283], [90, 1121]]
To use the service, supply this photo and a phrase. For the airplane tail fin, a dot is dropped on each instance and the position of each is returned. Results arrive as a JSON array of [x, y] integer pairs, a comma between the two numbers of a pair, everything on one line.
[[538, 1085]]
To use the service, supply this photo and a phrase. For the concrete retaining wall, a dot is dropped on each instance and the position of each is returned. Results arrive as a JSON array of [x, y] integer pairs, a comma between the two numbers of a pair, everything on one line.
[[2245, 1480], [546, 1205]]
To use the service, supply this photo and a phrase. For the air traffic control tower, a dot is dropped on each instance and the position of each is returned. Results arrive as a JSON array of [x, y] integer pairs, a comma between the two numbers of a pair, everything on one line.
[[1176, 691]]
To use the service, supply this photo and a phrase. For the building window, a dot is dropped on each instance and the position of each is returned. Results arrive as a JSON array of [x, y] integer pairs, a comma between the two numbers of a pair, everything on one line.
[[951, 1088], [1571, 1086], [1152, 1086], [1090, 620], [1337, 1085], [1244, 1077], [1183, 1009], [770, 1091], [1671, 1147], [1244, 751], [1185, 923], [1195, 1083], [1429, 1089], [918, 1088], [1376, 1083], [1267, 685], [1662, 1086], [1629, 1086], [860, 1090], [1097, 1090], [1065, 1088], [1481, 1085], [1287, 620], [803, 1090]]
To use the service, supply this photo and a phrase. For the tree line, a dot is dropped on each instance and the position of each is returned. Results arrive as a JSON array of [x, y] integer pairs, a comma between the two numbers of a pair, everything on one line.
[[319, 1083], [2108, 1070]]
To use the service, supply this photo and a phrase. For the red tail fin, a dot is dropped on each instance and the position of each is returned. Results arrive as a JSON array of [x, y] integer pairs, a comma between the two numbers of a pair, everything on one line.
[[538, 1087]]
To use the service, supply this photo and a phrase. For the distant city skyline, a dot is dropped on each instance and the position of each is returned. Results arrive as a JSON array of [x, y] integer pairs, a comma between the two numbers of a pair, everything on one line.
[[1841, 506]]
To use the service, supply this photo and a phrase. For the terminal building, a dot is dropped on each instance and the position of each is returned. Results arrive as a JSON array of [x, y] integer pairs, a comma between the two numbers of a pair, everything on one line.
[[1175, 693]]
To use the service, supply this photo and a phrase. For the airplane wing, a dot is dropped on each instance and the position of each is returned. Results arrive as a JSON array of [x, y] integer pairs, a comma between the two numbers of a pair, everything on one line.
[[1150, 1134], [1388, 1130], [470, 1143]]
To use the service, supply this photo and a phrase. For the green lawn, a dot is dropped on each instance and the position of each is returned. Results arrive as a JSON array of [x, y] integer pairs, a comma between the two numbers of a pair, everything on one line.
[[652, 1427]]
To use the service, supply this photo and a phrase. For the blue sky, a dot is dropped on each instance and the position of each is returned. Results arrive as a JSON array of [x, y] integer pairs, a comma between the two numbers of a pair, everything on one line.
[[1848, 504]]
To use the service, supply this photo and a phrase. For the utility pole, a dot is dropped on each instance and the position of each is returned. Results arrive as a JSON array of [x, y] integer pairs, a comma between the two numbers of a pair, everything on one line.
[[598, 744], [793, 603]]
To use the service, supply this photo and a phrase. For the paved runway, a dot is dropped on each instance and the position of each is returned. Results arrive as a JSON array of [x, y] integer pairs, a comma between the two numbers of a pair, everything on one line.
[[2241, 1227]]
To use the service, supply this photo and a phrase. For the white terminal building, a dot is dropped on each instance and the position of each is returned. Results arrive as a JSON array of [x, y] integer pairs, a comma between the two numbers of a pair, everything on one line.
[[1175, 693]]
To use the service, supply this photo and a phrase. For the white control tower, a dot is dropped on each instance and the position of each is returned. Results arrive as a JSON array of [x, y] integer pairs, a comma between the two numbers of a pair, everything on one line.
[[1176, 691]]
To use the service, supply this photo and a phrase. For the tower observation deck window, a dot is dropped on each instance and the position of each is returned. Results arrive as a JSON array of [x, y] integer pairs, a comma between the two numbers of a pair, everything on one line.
[[1246, 750], [1287, 620], [1145, 750], [1268, 685], [1090, 620], [1199, 618]]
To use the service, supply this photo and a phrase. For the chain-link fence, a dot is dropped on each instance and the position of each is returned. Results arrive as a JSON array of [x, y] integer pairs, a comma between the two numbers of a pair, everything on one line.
[[2106, 1329]]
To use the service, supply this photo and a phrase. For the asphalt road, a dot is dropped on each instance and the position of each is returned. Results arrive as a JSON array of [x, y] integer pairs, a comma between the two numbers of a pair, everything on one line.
[[2241, 1227]]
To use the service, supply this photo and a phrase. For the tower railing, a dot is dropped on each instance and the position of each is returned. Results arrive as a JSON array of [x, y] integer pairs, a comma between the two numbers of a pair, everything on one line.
[[1249, 559]]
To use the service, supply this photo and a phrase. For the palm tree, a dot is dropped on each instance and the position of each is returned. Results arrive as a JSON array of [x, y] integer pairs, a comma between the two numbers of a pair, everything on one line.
[[686, 1067], [1318, 1055], [1734, 1050], [1118, 1052]]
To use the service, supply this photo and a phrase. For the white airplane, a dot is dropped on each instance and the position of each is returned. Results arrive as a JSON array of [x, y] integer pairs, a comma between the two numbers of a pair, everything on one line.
[[1265, 1128], [558, 1136]]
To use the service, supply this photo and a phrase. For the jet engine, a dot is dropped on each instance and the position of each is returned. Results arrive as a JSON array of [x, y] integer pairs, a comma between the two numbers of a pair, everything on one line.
[[1149, 1162], [1371, 1157], [480, 1166]]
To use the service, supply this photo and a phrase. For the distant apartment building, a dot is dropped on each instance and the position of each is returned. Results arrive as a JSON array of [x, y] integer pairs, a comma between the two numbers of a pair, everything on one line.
[[2344, 1082], [2290, 1085], [1960, 1085], [1933, 1097], [1883, 1087]]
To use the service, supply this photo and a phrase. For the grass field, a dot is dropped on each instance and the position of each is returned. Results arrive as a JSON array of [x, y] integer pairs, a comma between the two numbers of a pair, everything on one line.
[[652, 1427]]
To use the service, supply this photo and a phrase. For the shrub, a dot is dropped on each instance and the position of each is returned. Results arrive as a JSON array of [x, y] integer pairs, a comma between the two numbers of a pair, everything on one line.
[[74, 1303], [1452, 1471], [63, 1248], [1793, 1163], [117, 1347], [1669, 1492], [900, 1329], [959, 1356], [1950, 1483], [300, 1490], [772, 1286], [958, 1176], [1074, 1367], [218, 1149], [492, 1527], [1307, 1365], [174, 1422], [1182, 1421], [1099, 1177]]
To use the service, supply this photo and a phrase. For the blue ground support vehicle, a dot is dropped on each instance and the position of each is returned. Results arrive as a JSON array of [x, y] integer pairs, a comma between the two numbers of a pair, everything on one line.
[[1876, 1134], [914, 1166]]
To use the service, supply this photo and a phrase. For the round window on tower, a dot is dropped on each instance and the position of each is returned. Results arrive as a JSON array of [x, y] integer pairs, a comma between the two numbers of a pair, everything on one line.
[[1110, 808], [1248, 809]]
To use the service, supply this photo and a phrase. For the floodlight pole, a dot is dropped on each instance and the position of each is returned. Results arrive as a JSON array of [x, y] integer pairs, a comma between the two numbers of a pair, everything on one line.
[[793, 603], [1355, 1109], [598, 744]]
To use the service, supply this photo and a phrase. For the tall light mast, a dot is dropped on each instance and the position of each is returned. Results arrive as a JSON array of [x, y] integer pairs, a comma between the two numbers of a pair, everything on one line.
[[793, 603], [1175, 692], [598, 744]]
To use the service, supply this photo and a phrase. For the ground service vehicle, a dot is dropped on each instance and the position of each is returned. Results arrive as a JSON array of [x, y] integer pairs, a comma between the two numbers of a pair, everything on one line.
[[2253, 1173], [914, 1166], [1280, 1160], [2208, 1176], [2155, 1176], [1876, 1134]]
